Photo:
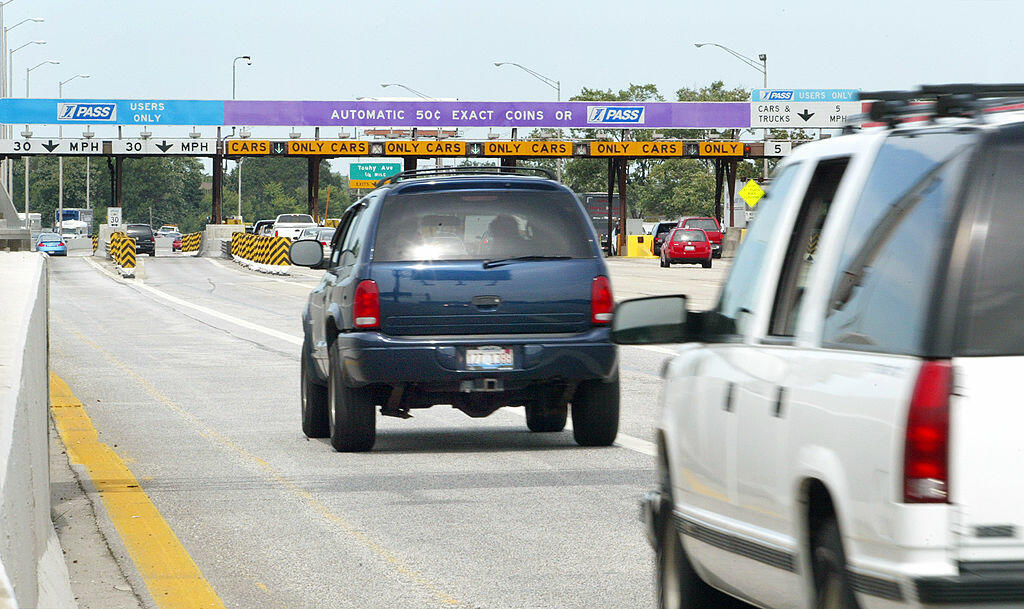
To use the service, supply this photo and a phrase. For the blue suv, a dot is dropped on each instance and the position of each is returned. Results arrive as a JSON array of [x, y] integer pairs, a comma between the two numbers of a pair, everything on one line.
[[462, 287]]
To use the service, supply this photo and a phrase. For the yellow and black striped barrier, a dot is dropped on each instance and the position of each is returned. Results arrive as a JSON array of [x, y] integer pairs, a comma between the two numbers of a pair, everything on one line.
[[261, 253], [191, 242], [95, 244], [122, 250]]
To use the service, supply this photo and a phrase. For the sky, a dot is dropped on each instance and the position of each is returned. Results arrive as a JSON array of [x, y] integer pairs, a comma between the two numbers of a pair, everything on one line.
[[342, 49]]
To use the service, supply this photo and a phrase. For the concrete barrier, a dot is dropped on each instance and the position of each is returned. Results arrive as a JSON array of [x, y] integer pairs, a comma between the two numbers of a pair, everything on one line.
[[32, 569]]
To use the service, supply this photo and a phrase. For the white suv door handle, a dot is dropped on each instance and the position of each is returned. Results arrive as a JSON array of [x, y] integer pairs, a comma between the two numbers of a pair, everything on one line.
[[727, 406], [779, 397]]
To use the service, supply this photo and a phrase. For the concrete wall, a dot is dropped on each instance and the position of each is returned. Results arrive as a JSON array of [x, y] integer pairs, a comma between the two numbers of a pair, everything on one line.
[[32, 569]]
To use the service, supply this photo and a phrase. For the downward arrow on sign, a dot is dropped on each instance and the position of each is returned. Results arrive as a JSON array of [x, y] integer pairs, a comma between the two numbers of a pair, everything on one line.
[[805, 115], [164, 146], [50, 146]]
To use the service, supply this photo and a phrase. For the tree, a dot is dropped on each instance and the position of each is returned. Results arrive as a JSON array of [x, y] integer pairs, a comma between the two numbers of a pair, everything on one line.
[[272, 186], [170, 185]]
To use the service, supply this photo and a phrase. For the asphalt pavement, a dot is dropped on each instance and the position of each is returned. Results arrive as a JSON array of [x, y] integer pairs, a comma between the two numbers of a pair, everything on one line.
[[190, 373]]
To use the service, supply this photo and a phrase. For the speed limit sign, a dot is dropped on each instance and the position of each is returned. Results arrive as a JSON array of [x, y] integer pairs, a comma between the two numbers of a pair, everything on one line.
[[114, 216]]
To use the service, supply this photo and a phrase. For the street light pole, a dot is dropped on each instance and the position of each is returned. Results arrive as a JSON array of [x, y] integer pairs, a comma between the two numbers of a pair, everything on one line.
[[60, 159], [551, 82], [762, 68], [28, 72], [238, 163], [385, 85], [9, 92]]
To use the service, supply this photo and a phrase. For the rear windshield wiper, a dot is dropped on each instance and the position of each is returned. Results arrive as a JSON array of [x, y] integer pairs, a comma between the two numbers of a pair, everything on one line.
[[500, 261]]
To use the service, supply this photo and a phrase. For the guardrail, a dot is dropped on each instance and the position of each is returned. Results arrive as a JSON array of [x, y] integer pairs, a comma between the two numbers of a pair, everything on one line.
[[122, 250], [32, 568], [261, 253]]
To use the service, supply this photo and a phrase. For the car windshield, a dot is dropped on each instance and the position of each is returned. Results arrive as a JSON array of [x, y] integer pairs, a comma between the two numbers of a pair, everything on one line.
[[139, 228], [49, 237], [481, 224], [308, 233], [326, 234], [295, 219], [688, 235], [703, 223]]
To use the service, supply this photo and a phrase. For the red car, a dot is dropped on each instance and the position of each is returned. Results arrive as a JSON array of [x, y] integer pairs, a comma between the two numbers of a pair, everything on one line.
[[709, 226], [687, 246]]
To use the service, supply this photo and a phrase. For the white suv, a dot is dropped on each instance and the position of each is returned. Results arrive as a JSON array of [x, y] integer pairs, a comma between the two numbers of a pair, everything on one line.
[[843, 429]]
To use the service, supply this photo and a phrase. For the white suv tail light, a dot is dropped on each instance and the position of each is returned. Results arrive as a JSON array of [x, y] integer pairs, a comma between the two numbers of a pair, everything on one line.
[[926, 444]]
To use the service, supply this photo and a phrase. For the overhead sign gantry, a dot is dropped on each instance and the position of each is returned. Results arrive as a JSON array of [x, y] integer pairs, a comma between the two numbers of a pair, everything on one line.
[[556, 117]]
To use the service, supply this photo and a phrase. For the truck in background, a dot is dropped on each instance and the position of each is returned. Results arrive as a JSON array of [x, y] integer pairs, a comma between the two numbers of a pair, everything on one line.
[[79, 214]]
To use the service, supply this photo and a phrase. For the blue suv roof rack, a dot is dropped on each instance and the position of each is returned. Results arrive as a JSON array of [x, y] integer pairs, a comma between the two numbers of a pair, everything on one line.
[[478, 170]]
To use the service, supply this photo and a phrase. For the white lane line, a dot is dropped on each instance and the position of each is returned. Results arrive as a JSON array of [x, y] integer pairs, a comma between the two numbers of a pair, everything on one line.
[[206, 311], [634, 444]]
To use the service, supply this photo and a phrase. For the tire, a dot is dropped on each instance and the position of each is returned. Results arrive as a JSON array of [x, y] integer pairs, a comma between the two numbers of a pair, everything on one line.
[[595, 412], [831, 583], [677, 585], [706, 263], [546, 416], [664, 263], [352, 415], [313, 396]]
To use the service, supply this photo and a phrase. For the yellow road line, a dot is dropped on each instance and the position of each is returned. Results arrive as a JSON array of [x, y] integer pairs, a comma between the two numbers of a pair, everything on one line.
[[170, 574], [273, 474]]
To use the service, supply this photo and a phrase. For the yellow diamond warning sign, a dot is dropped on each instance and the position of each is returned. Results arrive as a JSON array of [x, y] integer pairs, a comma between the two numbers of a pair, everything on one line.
[[751, 193]]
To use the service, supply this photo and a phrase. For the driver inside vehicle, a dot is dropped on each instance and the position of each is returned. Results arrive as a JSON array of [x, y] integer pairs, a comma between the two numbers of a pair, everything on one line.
[[504, 237]]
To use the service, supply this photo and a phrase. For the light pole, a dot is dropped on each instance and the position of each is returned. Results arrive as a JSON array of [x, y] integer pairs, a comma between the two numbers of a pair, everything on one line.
[[385, 85], [234, 63], [4, 177], [238, 163], [60, 159], [762, 68], [9, 92], [28, 72], [551, 82], [7, 85]]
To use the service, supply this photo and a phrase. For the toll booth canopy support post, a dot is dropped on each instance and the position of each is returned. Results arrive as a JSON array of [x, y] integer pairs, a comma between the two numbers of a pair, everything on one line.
[[730, 176], [218, 190], [410, 163], [623, 163], [508, 162], [719, 178], [118, 181], [313, 186], [611, 196], [113, 181]]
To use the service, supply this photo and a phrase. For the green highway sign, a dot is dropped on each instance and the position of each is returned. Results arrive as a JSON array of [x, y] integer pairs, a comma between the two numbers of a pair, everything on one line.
[[372, 171]]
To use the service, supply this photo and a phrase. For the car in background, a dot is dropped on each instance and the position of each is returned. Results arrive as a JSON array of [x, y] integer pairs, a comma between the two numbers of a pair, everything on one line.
[[259, 227], [51, 243], [291, 225], [469, 289], [711, 227], [145, 240], [175, 238], [686, 246], [660, 231], [166, 229]]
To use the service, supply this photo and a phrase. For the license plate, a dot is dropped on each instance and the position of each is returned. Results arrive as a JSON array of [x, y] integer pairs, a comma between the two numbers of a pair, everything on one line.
[[688, 248], [489, 358]]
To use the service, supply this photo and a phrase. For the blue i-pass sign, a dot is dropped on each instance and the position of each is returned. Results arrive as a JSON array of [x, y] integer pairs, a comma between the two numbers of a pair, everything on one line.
[[804, 95], [90, 112]]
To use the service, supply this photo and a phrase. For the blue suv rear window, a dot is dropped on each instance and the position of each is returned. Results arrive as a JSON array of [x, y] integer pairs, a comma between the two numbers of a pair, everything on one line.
[[481, 224]]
